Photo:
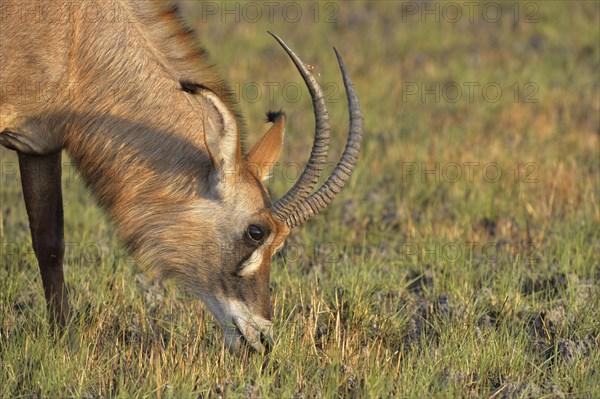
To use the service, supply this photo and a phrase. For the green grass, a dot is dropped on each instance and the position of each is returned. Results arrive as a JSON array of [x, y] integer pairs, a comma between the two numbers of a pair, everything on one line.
[[408, 285]]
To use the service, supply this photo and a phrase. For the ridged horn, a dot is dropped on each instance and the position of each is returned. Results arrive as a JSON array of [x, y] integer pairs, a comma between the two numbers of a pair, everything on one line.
[[318, 155], [340, 175]]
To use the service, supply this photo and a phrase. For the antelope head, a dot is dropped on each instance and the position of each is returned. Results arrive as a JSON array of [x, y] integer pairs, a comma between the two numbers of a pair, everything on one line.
[[250, 228]]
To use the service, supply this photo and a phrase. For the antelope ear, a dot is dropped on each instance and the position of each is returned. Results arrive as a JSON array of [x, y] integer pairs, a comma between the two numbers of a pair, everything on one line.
[[264, 154], [220, 135]]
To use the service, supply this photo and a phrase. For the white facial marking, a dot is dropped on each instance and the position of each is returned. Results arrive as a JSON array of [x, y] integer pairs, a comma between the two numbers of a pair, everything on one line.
[[253, 262], [279, 246]]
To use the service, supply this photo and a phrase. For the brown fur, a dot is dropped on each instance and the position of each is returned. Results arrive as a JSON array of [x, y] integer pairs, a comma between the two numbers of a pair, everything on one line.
[[161, 160]]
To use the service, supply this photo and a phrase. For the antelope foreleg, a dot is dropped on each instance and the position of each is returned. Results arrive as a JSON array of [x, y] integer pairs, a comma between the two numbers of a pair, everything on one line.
[[40, 178]]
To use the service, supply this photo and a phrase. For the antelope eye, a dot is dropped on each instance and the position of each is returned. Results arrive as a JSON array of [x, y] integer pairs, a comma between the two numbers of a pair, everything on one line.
[[255, 233]]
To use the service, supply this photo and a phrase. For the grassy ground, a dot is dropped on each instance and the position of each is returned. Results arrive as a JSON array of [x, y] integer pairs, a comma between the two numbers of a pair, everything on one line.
[[462, 260]]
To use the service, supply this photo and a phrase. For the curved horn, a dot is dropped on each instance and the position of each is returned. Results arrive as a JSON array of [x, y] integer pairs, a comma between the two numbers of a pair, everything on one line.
[[318, 155], [340, 175]]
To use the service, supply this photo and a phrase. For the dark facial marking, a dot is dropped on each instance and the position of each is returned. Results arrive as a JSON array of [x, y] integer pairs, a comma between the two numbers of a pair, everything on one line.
[[263, 192], [192, 87], [240, 264]]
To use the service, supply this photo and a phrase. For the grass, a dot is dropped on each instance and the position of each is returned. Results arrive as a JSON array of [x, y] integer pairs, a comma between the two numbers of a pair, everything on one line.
[[416, 282]]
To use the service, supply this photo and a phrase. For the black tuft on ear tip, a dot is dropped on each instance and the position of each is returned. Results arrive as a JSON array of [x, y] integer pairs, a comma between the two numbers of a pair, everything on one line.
[[272, 116]]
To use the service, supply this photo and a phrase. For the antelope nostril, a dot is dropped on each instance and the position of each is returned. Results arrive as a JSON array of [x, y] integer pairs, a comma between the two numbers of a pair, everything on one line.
[[255, 334]]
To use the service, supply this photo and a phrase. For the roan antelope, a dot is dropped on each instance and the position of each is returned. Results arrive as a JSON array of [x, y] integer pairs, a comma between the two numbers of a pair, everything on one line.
[[155, 135]]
